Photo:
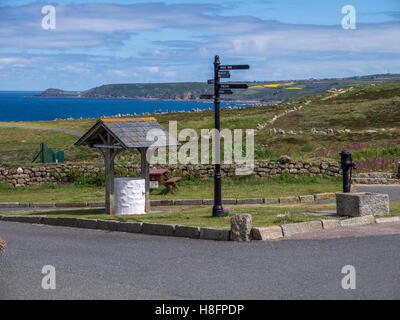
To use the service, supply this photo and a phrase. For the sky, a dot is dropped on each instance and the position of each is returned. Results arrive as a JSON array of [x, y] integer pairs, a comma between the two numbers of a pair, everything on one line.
[[101, 42]]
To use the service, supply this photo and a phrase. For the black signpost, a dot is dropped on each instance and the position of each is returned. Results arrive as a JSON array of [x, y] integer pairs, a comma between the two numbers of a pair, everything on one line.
[[220, 71]]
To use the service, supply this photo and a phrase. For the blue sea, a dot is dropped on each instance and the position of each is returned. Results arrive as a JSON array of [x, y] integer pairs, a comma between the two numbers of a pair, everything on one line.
[[23, 106]]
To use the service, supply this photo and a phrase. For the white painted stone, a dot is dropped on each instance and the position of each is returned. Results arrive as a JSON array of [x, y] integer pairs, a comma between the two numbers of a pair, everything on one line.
[[129, 196]]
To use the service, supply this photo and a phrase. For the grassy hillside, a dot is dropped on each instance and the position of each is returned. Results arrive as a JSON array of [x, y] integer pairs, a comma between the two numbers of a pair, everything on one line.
[[364, 110], [265, 91], [371, 113]]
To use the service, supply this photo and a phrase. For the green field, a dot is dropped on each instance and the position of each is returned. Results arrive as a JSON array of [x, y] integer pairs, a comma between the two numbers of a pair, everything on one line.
[[370, 107]]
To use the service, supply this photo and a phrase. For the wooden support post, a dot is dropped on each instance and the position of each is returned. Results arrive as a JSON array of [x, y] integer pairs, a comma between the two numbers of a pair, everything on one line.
[[108, 155], [146, 176]]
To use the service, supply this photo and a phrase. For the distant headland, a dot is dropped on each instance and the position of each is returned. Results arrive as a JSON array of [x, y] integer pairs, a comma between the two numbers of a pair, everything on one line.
[[258, 92]]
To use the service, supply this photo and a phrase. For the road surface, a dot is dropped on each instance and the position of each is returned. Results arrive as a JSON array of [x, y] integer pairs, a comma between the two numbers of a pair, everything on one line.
[[94, 264], [392, 190]]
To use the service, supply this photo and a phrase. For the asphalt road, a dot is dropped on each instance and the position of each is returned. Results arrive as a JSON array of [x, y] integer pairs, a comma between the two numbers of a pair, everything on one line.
[[392, 190], [94, 264]]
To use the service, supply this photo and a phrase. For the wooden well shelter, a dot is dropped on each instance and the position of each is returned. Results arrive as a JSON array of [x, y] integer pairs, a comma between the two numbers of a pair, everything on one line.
[[112, 135]]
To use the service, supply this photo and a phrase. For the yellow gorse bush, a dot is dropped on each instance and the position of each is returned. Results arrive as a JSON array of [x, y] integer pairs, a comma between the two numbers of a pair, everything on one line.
[[273, 85]]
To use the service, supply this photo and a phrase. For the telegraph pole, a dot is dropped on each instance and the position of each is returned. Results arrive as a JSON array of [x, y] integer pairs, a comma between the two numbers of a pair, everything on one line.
[[220, 71]]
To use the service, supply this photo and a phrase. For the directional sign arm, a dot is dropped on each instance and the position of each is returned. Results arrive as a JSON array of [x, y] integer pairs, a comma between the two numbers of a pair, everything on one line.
[[235, 67], [233, 86], [224, 74], [225, 91]]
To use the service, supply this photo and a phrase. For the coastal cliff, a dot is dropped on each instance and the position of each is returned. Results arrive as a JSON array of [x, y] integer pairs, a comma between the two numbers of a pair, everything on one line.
[[258, 91]]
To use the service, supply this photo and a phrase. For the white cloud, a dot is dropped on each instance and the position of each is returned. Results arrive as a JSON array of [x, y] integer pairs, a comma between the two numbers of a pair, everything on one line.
[[314, 39], [152, 69], [110, 43], [75, 69], [13, 62]]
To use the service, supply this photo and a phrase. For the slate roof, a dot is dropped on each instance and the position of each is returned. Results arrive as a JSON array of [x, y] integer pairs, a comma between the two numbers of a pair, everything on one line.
[[128, 133]]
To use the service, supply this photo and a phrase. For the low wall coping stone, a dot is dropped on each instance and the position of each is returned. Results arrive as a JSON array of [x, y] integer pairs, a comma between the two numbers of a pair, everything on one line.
[[358, 221], [187, 231], [267, 233], [301, 227], [71, 205], [214, 234], [388, 219], [9, 204], [87, 223], [271, 200], [158, 229], [108, 225], [306, 198], [131, 227], [330, 223], [188, 202], [291, 199], [250, 201], [41, 204]]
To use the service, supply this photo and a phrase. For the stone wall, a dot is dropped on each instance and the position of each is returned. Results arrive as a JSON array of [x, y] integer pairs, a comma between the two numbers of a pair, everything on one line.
[[31, 176], [261, 169], [377, 178], [37, 175]]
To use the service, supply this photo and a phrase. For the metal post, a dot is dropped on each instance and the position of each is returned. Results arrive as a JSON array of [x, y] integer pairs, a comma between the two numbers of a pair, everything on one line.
[[346, 184], [217, 208], [42, 159], [346, 165], [398, 169]]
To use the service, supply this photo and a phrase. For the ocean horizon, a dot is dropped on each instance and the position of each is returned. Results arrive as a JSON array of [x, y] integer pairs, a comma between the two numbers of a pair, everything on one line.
[[24, 106]]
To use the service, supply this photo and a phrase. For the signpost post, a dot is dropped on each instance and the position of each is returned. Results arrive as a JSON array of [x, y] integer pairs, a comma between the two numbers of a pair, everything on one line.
[[220, 71]]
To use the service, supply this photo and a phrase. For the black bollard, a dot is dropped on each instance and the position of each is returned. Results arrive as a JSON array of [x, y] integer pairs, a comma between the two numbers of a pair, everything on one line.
[[398, 170], [347, 166]]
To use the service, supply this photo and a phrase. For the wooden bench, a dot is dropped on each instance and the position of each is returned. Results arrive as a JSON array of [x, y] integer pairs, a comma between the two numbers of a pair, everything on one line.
[[170, 184], [161, 175]]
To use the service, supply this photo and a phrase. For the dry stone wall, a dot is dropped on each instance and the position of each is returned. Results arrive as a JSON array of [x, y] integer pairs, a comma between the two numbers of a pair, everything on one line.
[[61, 173], [37, 175]]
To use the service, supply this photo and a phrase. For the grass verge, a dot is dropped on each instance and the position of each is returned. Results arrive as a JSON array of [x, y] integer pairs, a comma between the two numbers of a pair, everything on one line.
[[201, 215], [189, 188]]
